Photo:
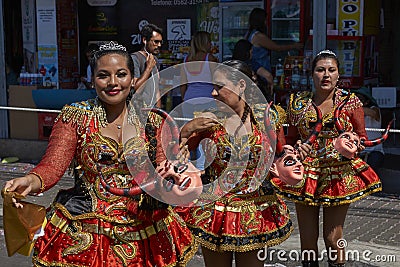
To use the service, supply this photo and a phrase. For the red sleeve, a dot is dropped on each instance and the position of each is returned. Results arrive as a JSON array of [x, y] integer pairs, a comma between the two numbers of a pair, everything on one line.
[[292, 136], [357, 120], [59, 154]]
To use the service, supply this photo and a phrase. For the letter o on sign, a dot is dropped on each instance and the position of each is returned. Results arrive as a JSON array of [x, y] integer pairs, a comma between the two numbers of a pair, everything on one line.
[[350, 8]]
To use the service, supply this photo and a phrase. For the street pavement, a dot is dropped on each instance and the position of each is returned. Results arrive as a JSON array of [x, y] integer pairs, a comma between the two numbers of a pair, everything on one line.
[[372, 230]]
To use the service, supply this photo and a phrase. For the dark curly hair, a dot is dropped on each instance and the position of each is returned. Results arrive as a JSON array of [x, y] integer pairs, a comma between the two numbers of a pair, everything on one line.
[[100, 53], [147, 31]]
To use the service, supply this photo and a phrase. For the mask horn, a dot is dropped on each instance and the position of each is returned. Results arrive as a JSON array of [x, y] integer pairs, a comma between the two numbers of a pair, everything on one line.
[[179, 167], [377, 141], [131, 191], [172, 125], [317, 128], [338, 110], [271, 132]]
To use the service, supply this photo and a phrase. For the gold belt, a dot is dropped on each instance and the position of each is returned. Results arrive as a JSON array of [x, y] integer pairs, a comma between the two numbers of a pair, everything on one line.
[[114, 232]]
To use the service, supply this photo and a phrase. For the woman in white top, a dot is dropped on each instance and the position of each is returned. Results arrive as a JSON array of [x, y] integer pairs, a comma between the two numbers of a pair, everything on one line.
[[196, 83], [196, 78]]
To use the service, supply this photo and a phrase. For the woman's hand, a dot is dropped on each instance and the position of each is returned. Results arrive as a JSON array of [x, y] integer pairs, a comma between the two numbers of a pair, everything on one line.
[[303, 148], [23, 185], [150, 61], [206, 121]]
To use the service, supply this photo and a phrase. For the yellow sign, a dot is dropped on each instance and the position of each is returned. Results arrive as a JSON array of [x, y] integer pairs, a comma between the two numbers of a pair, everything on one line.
[[349, 55], [350, 17]]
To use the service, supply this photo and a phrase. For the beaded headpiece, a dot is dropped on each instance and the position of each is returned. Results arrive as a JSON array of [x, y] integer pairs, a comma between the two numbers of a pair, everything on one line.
[[327, 52], [112, 46]]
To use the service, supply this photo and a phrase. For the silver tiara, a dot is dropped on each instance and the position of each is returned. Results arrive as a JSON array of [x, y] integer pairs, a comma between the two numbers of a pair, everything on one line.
[[326, 52], [112, 46]]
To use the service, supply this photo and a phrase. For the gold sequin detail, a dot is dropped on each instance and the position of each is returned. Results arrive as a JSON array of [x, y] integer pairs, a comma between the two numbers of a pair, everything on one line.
[[84, 240], [123, 254]]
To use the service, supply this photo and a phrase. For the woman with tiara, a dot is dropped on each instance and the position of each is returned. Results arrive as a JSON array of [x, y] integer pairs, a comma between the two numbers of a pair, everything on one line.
[[331, 179], [106, 219]]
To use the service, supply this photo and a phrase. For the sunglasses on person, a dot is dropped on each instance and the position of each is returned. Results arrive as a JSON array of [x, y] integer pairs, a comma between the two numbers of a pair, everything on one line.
[[157, 42]]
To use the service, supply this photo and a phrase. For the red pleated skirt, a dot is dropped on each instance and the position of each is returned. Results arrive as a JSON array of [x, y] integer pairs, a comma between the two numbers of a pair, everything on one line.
[[239, 222], [160, 240], [325, 185]]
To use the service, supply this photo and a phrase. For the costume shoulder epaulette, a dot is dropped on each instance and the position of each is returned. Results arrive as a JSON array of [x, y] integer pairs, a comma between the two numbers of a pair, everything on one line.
[[297, 106], [299, 100], [277, 115], [82, 113], [353, 102]]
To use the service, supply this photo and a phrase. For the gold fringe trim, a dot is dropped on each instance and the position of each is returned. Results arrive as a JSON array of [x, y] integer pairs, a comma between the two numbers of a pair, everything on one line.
[[155, 119], [310, 202], [82, 113], [189, 251], [244, 248]]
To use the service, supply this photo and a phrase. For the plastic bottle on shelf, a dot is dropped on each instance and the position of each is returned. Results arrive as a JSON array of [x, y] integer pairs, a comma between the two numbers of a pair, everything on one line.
[[236, 21], [243, 19], [22, 76], [306, 63], [310, 86], [28, 79], [279, 70], [276, 81], [303, 80], [295, 75]]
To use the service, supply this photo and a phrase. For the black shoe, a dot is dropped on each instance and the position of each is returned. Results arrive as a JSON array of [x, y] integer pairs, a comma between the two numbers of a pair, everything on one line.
[[310, 263]]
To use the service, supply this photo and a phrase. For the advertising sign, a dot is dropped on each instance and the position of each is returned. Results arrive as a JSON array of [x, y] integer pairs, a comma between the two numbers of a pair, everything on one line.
[[29, 35], [178, 33], [47, 41], [208, 20], [48, 67], [350, 17]]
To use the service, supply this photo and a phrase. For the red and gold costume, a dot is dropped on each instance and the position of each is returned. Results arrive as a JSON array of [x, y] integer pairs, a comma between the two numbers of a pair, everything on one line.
[[329, 178], [243, 219], [87, 225]]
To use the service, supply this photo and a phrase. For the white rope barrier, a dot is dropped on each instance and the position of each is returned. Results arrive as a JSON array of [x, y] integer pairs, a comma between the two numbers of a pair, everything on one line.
[[30, 109], [176, 118]]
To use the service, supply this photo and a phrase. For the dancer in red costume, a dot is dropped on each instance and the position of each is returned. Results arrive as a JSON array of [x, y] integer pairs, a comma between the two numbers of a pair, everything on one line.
[[330, 180], [88, 225], [239, 213]]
